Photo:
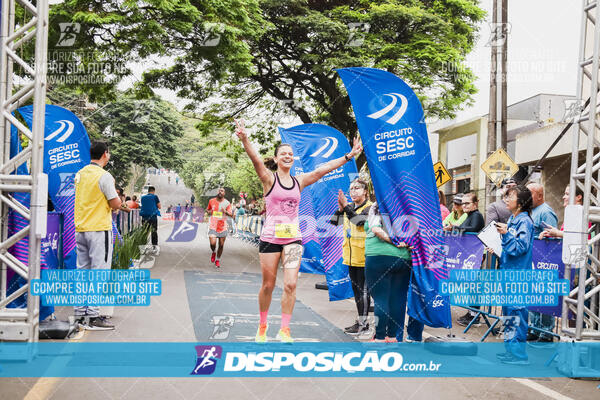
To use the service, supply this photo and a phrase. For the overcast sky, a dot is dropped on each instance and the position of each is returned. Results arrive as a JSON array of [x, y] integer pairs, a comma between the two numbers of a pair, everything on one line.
[[543, 49]]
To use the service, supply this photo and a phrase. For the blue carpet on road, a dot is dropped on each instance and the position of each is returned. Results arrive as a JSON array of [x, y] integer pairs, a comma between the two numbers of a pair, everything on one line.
[[224, 306]]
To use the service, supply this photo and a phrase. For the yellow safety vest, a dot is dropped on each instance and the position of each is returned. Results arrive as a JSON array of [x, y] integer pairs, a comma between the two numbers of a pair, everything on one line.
[[92, 212], [354, 246]]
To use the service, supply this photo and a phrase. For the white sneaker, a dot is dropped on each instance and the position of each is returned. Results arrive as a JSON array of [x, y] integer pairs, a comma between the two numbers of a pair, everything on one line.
[[367, 332], [156, 250]]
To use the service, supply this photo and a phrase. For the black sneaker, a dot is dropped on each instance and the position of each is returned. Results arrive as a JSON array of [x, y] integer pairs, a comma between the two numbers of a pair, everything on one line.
[[467, 320], [99, 324], [531, 337], [546, 339], [81, 321], [358, 330], [542, 342], [464, 316], [352, 328]]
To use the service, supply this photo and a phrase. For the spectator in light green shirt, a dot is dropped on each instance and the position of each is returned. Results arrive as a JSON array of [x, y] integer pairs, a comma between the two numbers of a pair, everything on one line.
[[457, 216], [388, 268]]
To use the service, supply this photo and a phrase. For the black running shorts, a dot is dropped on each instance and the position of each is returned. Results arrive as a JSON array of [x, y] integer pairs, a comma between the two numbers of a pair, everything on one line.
[[266, 247]]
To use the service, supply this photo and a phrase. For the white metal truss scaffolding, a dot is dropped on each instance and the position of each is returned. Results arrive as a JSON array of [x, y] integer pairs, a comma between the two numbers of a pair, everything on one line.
[[21, 324], [583, 300]]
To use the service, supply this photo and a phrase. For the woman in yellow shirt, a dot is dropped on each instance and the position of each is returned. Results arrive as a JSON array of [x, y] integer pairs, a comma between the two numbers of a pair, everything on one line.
[[354, 216]]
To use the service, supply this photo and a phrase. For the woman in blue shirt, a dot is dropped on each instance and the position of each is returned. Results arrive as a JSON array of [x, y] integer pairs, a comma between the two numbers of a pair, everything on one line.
[[517, 245]]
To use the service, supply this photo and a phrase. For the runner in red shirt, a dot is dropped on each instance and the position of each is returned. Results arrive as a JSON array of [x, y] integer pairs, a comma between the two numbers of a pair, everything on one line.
[[218, 209]]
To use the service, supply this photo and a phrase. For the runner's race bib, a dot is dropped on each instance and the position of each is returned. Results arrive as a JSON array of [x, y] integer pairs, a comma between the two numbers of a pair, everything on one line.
[[286, 231], [217, 214]]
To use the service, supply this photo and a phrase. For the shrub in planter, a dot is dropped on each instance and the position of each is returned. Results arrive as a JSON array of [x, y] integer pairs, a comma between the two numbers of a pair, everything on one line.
[[129, 248]]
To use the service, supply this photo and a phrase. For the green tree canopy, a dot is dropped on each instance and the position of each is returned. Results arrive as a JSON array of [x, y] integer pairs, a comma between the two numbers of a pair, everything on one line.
[[262, 58], [140, 132], [244, 179], [212, 161]]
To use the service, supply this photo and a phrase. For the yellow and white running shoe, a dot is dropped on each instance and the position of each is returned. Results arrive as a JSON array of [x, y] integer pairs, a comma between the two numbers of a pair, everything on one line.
[[284, 335], [261, 333]]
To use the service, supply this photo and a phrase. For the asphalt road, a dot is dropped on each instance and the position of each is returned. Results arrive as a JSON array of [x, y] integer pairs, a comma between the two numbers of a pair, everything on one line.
[[185, 313]]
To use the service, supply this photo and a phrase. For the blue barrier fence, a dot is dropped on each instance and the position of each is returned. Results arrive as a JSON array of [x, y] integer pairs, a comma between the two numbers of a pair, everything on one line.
[[127, 221], [248, 228], [463, 252]]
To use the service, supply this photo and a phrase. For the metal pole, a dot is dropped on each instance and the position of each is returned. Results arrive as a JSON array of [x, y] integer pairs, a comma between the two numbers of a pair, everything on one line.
[[3, 130], [8, 25], [39, 191], [503, 105], [575, 151], [588, 160], [6, 93], [491, 137], [22, 324]]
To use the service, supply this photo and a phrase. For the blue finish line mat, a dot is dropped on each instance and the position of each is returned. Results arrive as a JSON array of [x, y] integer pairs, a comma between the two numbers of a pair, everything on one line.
[[224, 306]]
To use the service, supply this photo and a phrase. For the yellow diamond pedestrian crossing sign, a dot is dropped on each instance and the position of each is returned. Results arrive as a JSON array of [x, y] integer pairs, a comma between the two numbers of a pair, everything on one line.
[[499, 166], [442, 176]]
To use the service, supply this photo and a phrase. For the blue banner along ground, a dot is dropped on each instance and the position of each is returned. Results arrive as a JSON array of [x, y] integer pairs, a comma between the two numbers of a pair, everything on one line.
[[226, 359]]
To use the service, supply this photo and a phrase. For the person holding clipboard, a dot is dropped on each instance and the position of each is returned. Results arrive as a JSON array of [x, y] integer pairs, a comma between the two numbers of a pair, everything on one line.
[[517, 245]]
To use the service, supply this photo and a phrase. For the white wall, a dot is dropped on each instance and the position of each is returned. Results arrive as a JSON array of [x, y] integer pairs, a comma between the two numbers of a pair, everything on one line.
[[434, 142], [460, 151]]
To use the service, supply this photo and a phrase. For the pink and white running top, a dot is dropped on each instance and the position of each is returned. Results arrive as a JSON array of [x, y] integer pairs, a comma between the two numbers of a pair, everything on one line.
[[282, 204]]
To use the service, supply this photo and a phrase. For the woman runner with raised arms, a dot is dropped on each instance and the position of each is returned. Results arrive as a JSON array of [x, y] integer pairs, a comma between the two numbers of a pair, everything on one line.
[[280, 237]]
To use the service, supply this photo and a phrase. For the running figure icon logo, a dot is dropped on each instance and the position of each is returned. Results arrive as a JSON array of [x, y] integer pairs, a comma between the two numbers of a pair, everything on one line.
[[183, 231], [438, 301], [498, 34], [67, 184], [68, 34], [578, 254], [207, 359], [437, 255], [222, 324]]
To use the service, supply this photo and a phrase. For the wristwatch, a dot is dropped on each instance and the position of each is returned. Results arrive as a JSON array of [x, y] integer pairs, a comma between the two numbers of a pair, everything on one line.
[[346, 157]]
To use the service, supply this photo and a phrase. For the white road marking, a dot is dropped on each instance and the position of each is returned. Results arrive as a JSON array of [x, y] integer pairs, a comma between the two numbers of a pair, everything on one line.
[[546, 391], [45, 387], [542, 389]]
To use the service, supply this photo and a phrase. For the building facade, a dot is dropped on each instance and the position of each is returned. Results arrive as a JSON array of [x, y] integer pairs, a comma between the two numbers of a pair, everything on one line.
[[533, 124]]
